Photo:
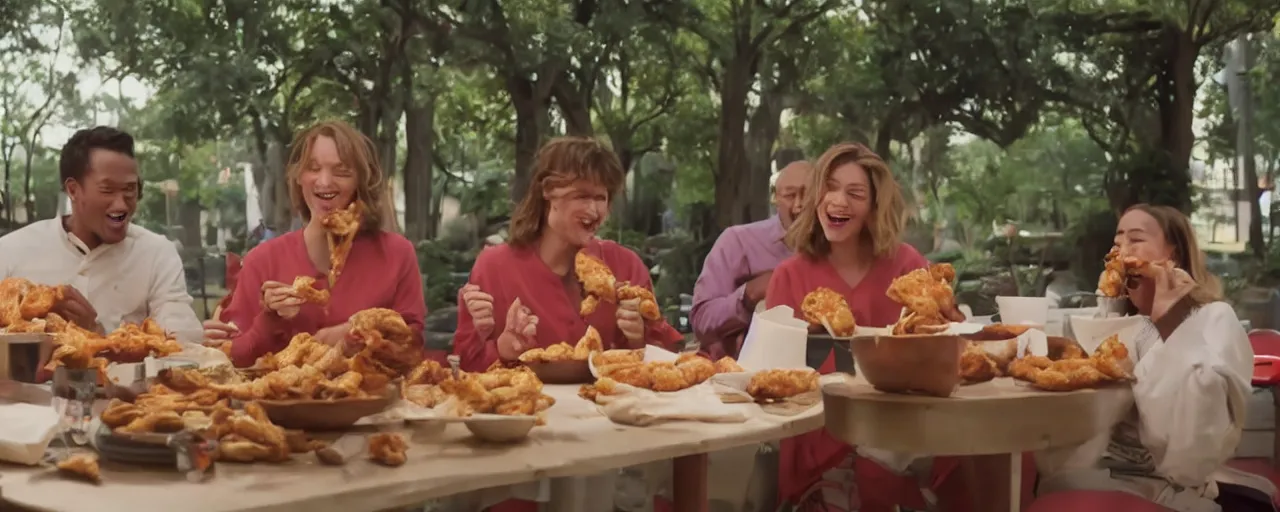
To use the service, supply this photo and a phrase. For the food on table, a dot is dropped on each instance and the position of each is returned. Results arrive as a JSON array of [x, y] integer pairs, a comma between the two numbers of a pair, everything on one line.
[[341, 227], [388, 449], [617, 356], [77, 348], [305, 288], [83, 466], [1109, 363], [1117, 272], [304, 350], [597, 281], [781, 384], [929, 301], [248, 436], [976, 365], [498, 390], [422, 385], [648, 304], [824, 306], [389, 351], [388, 340], [24, 305], [590, 342], [998, 332], [689, 370]]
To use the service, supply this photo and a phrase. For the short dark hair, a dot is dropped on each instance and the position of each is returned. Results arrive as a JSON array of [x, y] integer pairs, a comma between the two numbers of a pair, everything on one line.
[[74, 162]]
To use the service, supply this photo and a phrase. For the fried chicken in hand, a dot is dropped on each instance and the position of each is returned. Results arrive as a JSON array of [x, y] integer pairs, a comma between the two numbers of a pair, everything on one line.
[[598, 282], [341, 227], [1117, 273], [928, 298], [305, 288], [825, 308]]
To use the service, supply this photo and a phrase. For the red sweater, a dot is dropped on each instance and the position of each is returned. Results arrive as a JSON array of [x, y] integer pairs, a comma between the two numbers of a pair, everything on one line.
[[381, 272], [799, 275], [507, 273]]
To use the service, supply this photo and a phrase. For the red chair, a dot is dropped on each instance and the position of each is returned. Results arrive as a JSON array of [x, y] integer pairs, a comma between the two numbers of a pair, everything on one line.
[[1266, 357], [1093, 501]]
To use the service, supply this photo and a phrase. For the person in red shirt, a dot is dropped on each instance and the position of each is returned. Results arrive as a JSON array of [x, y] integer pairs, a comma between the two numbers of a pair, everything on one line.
[[525, 294], [846, 238], [331, 165]]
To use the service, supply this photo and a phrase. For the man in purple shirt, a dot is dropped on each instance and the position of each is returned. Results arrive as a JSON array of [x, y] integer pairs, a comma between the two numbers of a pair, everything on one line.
[[736, 272]]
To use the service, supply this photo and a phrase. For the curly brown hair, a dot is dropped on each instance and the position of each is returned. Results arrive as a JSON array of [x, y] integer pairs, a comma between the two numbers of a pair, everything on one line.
[[561, 162], [888, 208], [359, 154]]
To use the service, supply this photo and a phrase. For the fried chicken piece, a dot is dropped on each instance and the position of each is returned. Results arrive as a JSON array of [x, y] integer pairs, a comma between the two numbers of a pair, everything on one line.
[[163, 422], [597, 281], [388, 323], [83, 466], [616, 356], [781, 384], [648, 305], [1082, 377], [235, 448], [927, 293], [1116, 273], [727, 364], [11, 291], [915, 323], [119, 413], [424, 395], [998, 332], [696, 369], [429, 372], [590, 342], [341, 227], [823, 306], [388, 449], [39, 300], [976, 366], [305, 288], [666, 377]]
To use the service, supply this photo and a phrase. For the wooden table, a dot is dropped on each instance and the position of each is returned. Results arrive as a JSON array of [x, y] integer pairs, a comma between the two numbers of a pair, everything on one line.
[[576, 441], [993, 418]]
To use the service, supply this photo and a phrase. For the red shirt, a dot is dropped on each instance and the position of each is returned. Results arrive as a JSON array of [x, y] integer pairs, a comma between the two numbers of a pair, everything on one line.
[[506, 273], [381, 272]]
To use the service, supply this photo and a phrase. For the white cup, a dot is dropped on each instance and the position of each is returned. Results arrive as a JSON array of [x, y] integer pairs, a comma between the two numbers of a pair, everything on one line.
[[1023, 310]]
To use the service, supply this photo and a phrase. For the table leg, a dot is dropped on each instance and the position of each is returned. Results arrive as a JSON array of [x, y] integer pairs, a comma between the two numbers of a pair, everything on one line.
[[689, 483], [1015, 482]]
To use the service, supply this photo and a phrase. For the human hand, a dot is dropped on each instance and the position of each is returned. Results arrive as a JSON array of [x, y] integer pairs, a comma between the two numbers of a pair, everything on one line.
[[334, 335], [480, 306], [77, 310], [1171, 284], [755, 289], [216, 330], [281, 299], [519, 333], [630, 322]]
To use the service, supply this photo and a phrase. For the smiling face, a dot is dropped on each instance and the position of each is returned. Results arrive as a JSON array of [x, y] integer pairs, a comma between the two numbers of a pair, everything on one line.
[[788, 193], [104, 199], [845, 203], [1139, 235], [577, 211], [327, 182]]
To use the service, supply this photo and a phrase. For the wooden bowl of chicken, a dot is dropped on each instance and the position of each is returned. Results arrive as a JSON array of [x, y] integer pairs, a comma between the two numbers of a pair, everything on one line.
[[333, 414], [562, 372], [914, 363]]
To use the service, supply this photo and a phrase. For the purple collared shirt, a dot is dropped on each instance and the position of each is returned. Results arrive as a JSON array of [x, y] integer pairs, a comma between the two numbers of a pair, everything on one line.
[[740, 253]]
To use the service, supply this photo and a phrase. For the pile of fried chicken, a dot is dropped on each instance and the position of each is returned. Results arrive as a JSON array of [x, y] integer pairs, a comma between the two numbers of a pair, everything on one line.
[[1117, 273], [78, 348], [498, 390], [590, 342], [1073, 370], [25, 307], [978, 365], [929, 302], [389, 352], [628, 367], [341, 227], [824, 308], [599, 284]]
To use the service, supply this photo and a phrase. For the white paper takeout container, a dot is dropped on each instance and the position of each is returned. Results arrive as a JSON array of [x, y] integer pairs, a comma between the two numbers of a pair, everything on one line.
[[1023, 310], [25, 432], [776, 339]]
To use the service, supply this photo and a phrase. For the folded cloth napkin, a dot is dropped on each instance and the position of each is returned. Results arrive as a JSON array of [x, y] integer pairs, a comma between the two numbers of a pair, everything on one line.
[[25, 432], [634, 406]]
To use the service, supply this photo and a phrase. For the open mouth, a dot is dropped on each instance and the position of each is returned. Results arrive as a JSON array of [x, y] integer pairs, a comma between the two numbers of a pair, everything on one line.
[[590, 225], [327, 196], [837, 221], [117, 219]]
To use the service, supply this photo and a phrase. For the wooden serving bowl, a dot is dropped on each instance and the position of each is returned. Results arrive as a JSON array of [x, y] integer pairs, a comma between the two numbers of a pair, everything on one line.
[[563, 372], [921, 363], [323, 414]]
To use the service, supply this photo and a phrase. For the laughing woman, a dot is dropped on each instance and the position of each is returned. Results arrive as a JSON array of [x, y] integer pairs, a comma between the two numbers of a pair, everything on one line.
[[846, 238], [1194, 364], [530, 281], [331, 165]]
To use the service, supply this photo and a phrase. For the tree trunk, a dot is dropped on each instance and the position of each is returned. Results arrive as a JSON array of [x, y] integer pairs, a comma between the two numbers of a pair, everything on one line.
[[732, 164], [279, 213], [420, 143], [28, 200], [574, 108], [529, 113], [1178, 136], [762, 134]]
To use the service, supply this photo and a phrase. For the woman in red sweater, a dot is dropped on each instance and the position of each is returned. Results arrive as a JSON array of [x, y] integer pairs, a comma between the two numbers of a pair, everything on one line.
[[847, 238], [331, 165], [524, 293]]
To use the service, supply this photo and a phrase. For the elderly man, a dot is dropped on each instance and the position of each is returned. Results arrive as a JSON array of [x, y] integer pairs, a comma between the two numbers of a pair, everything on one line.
[[114, 271], [736, 273]]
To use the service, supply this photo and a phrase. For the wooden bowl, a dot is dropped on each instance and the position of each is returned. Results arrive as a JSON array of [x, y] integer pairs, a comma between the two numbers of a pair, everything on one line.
[[563, 372], [925, 363], [323, 414]]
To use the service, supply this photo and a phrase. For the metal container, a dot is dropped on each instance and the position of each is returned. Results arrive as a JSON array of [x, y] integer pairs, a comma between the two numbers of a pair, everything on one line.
[[21, 354]]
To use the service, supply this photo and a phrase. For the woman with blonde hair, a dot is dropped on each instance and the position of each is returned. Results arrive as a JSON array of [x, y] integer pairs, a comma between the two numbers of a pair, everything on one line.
[[1193, 367], [847, 238], [331, 165], [525, 293]]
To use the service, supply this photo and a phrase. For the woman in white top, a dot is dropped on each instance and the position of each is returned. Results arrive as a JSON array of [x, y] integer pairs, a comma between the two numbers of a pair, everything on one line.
[[1193, 366]]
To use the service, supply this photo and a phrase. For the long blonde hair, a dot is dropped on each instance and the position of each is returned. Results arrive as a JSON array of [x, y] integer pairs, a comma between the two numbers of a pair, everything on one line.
[[1187, 255], [888, 208], [559, 163], [357, 152]]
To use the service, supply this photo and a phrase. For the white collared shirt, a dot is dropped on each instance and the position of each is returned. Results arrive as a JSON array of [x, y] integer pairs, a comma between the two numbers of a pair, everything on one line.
[[139, 277]]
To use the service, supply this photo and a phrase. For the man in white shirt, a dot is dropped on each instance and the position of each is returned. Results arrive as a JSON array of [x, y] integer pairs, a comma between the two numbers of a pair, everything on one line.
[[115, 272]]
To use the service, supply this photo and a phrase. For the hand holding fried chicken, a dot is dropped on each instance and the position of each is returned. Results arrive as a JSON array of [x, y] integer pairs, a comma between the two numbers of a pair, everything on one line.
[[281, 298], [630, 322], [1118, 273], [1171, 285], [598, 282], [824, 309], [519, 333]]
